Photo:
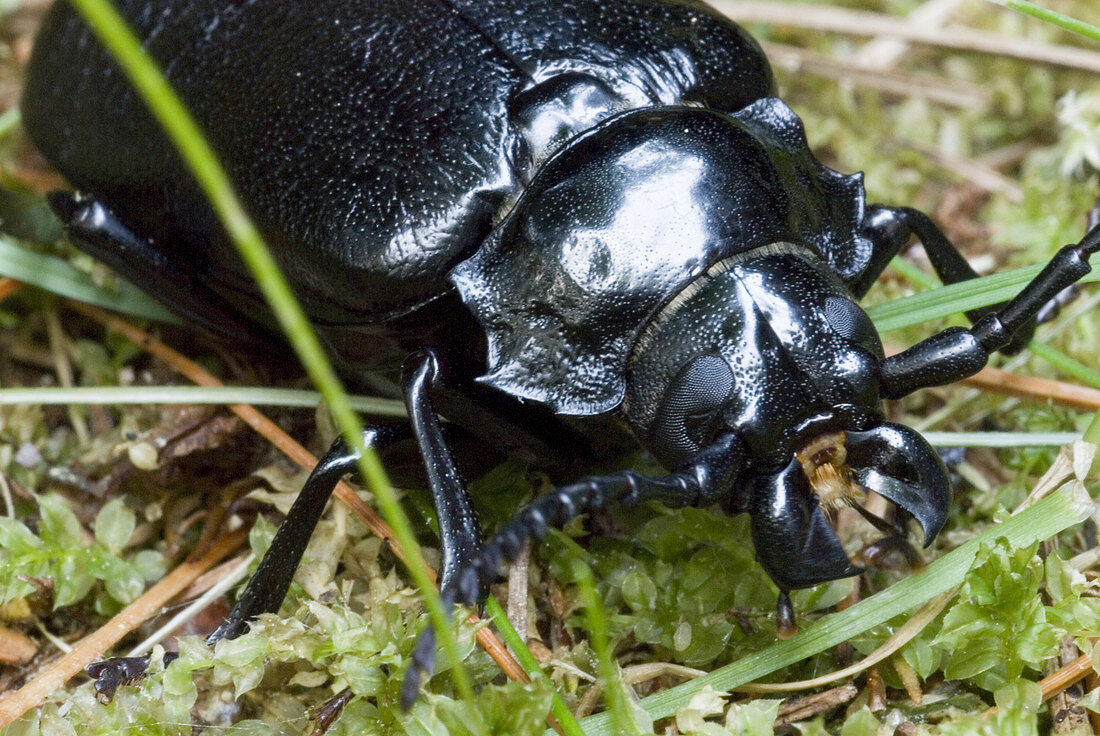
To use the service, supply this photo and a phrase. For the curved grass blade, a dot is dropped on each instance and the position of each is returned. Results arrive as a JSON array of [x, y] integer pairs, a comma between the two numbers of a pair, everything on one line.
[[181, 128], [59, 277], [1059, 511]]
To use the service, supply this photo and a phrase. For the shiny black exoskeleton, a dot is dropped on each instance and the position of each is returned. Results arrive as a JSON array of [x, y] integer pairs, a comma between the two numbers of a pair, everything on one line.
[[573, 223]]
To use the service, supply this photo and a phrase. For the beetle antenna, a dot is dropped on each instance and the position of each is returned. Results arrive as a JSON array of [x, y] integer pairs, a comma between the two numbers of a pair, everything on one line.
[[693, 484], [423, 656]]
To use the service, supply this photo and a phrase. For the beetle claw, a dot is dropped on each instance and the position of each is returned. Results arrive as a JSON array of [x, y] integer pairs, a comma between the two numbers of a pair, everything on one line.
[[898, 464], [109, 675], [794, 542]]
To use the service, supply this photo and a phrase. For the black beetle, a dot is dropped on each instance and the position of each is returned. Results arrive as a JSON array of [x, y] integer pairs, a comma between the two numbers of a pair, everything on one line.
[[572, 223]]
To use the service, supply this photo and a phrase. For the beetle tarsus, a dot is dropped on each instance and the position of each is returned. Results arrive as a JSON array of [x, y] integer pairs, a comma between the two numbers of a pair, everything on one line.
[[423, 655], [327, 714], [111, 674], [423, 662], [1054, 307]]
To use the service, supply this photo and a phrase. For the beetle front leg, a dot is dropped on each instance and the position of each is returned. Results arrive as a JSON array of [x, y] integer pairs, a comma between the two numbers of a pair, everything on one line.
[[958, 353], [706, 479], [268, 586], [890, 228], [459, 530]]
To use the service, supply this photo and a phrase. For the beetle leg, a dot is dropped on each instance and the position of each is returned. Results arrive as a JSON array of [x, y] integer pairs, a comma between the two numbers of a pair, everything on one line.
[[706, 479], [98, 232], [268, 586], [459, 530], [890, 228], [957, 353]]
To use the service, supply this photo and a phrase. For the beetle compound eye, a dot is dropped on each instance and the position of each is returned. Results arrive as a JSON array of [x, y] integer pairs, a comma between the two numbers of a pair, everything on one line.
[[690, 406], [849, 320]]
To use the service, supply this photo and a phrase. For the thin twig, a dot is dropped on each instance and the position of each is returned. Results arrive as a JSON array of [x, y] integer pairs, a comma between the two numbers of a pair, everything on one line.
[[862, 23], [63, 367], [517, 590], [799, 709], [950, 93], [13, 705], [293, 450], [972, 171], [1032, 388], [1081, 398]]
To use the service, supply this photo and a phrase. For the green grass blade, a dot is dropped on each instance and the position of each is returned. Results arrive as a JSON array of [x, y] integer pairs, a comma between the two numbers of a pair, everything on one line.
[[1066, 364], [59, 277], [955, 298], [914, 273], [619, 718], [181, 128], [1064, 22], [558, 708], [1050, 516], [255, 395]]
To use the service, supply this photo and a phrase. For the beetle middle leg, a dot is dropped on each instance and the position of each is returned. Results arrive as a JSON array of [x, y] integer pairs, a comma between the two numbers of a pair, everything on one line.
[[268, 586], [459, 530]]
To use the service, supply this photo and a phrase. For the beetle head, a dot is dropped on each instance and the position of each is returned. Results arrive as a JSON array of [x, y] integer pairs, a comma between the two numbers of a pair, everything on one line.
[[792, 508], [768, 346]]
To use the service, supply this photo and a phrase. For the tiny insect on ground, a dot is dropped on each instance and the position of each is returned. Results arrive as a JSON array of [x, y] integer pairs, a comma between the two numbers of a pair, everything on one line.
[[605, 230]]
